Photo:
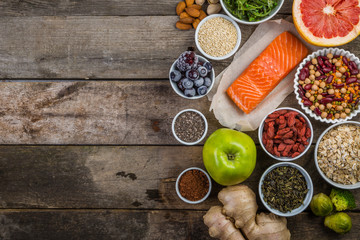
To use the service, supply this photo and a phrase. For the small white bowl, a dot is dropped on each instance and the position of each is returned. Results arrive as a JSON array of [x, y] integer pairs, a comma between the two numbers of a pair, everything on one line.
[[335, 184], [178, 191], [237, 45], [324, 52], [173, 126], [271, 14], [308, 196], [180, 93], [261, 128]]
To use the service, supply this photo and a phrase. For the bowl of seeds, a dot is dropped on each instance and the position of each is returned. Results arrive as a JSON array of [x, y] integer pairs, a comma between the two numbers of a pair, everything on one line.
[[286, 189], [337, 155], [218, 37], [189, 126]]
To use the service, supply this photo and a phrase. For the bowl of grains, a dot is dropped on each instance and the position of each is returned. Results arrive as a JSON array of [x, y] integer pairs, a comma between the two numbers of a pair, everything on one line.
[[217, 37], [327, 85], [189, 126], [193, 185], [337, 155], [286, 189]]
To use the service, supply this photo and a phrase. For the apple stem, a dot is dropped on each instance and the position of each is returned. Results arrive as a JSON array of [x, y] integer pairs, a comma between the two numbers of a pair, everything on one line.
[[231, 156]]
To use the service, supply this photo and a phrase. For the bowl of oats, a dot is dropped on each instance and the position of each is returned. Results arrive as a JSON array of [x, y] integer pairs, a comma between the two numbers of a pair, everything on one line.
[[217, 37], [337, 155]]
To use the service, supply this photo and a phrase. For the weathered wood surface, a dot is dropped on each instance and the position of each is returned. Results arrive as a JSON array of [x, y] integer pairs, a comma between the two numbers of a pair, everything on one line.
[[134, 225], [112, 112], [112, 177], [97, 47], [96, 7]]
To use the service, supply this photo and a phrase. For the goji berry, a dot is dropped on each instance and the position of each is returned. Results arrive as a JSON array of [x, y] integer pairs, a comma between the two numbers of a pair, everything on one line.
[[283, 111], [289, 141], [301, 148], [282, 126], [295, 154], [291, 121], [288, 135], [274, 115], [276, 151], [308, 132], [281, 147], [295, 147]]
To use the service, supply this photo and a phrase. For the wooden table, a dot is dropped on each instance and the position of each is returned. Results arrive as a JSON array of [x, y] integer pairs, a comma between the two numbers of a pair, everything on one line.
[[86, 145]]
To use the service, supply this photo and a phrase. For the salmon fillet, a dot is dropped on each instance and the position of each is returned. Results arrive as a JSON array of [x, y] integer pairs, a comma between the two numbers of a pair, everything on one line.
[[262, 75]]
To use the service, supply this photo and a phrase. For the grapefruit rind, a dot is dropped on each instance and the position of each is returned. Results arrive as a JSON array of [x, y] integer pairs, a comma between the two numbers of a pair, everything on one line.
[[324, 42]]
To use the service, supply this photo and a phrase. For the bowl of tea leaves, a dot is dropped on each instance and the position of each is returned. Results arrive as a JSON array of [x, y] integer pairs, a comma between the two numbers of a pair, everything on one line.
[[286, 189]]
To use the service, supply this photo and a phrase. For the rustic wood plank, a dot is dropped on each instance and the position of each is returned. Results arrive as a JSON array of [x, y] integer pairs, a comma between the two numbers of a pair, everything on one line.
[[112, 112], [112, 177], [97, 47], [96, 8], [124, 224]]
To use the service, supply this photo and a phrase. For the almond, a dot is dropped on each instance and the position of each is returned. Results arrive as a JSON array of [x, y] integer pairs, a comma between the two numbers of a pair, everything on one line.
[[193, 12], [180, 7], [189, 2], [184, 15], [196, 23], [198, 7], [187, 20], [183, 26], [202, 15]]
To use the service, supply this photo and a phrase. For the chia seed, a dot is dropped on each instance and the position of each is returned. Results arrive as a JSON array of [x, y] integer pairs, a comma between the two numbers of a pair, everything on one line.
[[189, 126]]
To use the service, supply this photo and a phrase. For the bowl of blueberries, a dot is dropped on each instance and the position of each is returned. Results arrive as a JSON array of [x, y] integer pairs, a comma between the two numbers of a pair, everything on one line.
[[191, 76]]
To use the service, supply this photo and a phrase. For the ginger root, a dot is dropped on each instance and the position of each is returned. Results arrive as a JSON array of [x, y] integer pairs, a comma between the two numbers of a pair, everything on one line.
[[238, 218]]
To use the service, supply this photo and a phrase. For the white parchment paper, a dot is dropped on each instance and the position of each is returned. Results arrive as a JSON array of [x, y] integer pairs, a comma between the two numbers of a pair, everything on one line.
[[225, 110]]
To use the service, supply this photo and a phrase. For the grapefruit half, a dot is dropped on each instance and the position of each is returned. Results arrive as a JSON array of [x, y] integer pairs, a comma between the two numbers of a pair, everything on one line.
[[327, 22]]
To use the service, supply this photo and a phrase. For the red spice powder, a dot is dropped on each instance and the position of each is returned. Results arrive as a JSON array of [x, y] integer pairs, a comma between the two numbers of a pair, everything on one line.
[[193, 185]]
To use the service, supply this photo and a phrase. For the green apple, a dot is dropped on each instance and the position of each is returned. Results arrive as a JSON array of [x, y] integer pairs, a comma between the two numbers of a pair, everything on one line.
[[229, 156]]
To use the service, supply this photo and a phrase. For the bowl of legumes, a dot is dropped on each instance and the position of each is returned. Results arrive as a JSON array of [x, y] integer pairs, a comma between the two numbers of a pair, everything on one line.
[[327, 85], [217, 37]]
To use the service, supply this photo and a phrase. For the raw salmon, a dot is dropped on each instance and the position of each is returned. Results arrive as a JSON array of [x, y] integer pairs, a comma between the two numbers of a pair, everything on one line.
[[266, 71]]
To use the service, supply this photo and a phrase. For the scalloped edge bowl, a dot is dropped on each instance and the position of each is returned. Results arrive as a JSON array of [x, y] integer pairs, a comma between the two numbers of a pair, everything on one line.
[[324, 52]]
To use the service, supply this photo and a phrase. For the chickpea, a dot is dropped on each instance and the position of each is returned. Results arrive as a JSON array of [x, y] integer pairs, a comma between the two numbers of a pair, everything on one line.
[[312, 98], [312, 107], [330, 56], [317, 104], [317, 74], [312, 77], [307, 95], [322, 84], [338, 74], [314, 61], [337, 115], [312, 92], [311, 67], [343, 90], [301, 82], [324, 114], [343, 115], [337, 90], [358, 75], [344, 105], [347, 110], [319, 97], [315, 87], [331, 91], [316, 82], [307, 80], [312, 71], [321, 107], [334, 60], [342, 69], [339, 108], [303, 85], [320, 91], [338, 64], [329, 106]]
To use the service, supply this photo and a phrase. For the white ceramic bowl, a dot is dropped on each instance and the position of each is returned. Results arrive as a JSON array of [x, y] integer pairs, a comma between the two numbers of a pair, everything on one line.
[[173, 127], [237, 45], [308, 196], [178, 191], [261, 128], [335, 184], [180, 93], [324, 52], [271, 14]]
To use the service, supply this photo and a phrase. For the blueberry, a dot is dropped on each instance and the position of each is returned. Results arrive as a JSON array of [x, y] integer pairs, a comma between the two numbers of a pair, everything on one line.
[[175, 75], [203, 71], [180, 84], [202, 90], [187, 84], [207, 82], [190, 92], [199, 82], [192, 74], [208, 66]]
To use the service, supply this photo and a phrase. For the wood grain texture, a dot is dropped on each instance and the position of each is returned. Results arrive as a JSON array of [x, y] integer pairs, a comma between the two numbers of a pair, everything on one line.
[[140, 177], [133, 225], [97, 47], [96, 7], [112, 112]]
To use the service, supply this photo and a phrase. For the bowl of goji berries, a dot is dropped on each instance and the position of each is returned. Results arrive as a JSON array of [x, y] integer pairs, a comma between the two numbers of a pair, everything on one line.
[[285, 134]]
